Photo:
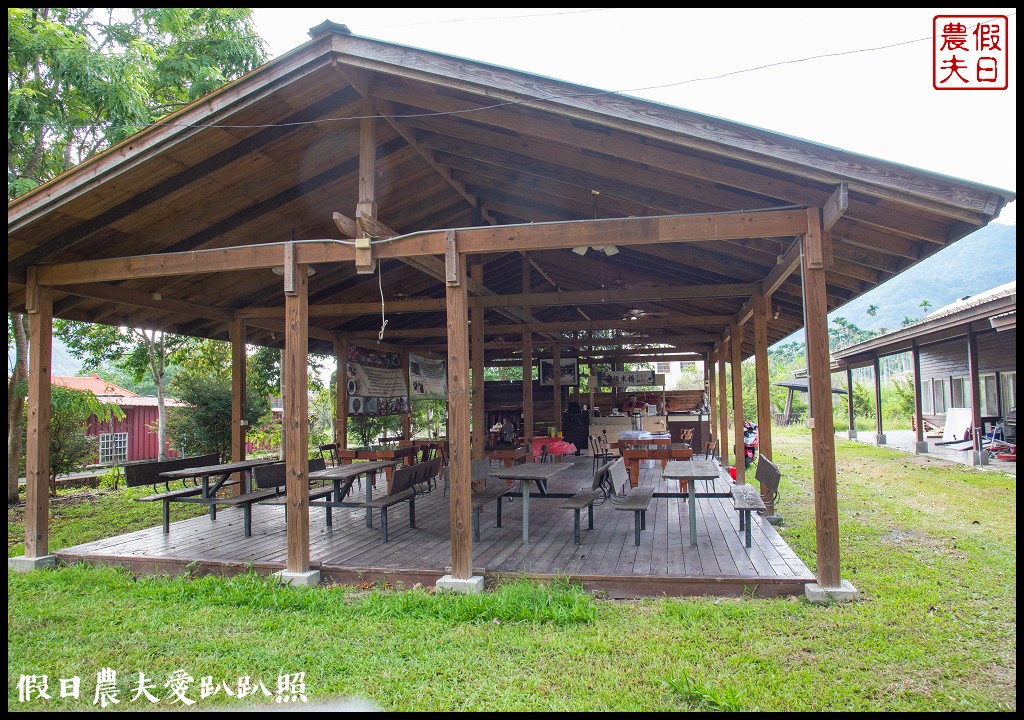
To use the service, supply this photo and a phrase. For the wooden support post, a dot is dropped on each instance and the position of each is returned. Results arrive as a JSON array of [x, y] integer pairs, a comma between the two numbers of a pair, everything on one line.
[[762, 306], [736, 343], [879, 433], [977, 427], [852, 432], [723, 406], [556, 390], [37, 426], [712, 396], [406, 416], [820, 391], [459, 423], [476, 337], [527, 365], [236, 334], [296, 420], [341, 394], [915, 355]]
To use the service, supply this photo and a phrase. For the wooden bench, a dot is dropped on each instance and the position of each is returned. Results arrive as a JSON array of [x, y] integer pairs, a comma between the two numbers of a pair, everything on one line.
[[148, 473], [270, 485], [745, 499], [585, 498], [768, 476], [401, 492], [637, 501], [495, 493]]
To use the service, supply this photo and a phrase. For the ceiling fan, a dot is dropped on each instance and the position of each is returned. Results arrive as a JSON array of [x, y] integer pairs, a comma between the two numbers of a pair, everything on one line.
[[637, 313]]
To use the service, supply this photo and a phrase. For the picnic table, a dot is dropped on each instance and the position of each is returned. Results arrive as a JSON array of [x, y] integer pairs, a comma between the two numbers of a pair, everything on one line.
[[688, 472], [341, 473], [219, 474], [539, 473]]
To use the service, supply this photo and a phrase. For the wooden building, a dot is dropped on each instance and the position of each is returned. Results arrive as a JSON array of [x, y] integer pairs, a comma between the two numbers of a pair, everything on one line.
[[130, 439], [490, 216], [964, 356]]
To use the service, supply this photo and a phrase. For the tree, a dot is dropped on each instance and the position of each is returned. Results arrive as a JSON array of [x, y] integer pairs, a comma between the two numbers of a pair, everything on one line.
[[70, 447], [924, 305], [17, 332], [872, 310], [82, 79], [204, 426]]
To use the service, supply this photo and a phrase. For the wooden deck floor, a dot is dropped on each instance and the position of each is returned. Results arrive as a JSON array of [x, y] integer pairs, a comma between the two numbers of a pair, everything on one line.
[[607, 560]]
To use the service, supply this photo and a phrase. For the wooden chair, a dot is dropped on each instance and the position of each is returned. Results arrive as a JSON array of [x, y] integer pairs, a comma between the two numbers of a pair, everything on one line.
[[329, 453], [601, 450]]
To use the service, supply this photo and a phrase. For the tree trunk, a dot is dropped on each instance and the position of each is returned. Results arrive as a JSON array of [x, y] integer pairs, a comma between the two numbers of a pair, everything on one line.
[[16, 405]]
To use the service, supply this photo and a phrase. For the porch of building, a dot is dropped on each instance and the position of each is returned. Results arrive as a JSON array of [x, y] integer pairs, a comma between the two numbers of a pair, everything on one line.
[[606, 562]]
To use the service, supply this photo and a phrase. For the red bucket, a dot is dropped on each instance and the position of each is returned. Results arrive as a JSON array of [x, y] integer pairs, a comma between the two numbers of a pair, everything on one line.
[[732, 471]]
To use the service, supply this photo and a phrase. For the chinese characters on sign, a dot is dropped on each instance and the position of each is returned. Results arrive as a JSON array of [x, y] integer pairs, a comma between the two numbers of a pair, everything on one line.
[[970, 52], [179, 689]]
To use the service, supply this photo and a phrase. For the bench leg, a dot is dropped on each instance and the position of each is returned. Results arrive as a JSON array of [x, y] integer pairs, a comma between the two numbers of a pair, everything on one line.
[[167, 516], [636, 527], [590, 516], [499, 510], [384, 523], [330, 514], [476, 523], [576, 525], [746, 517], [247, 518]]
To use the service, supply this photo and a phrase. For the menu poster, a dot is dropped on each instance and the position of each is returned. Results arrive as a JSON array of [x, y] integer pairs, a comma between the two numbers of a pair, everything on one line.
[[375, 382], [569, 374], [626, 378], [428, 378]]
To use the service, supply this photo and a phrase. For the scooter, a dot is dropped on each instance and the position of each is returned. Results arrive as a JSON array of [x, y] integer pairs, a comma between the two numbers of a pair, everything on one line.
[[749, 443]]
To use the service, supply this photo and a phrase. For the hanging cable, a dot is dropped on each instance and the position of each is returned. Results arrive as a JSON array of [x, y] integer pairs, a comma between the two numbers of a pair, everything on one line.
[[380, 285]]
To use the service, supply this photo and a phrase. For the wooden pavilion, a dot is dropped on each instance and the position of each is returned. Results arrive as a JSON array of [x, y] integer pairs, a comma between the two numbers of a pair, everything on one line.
[[512, 216]]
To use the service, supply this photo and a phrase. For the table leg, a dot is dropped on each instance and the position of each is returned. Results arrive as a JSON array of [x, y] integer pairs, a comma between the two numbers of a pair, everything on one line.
[[691, 495], [526, 511], [369, 497]]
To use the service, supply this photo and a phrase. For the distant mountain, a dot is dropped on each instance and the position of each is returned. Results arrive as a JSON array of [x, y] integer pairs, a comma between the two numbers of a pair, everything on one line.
[[980, 261]]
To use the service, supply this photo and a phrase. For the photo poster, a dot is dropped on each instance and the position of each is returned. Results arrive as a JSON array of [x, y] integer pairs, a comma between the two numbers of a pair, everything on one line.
[[428, 378], [569, 374], [376, 383], [626, 378]]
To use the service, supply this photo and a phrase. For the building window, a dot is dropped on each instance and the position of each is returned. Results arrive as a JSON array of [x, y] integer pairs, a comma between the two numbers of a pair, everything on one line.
[[1008, 390], [989, 394], [663, 368], [960, 391], [939, 393], [113, 448], [926, 397]]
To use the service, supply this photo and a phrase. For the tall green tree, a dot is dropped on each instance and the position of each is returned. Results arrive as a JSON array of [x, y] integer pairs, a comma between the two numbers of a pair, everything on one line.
[[70, 447], [82, 79], [17, 336]]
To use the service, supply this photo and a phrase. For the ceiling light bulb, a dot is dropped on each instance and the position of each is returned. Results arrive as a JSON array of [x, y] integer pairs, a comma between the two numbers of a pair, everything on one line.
[[580, 250], [610, 250]]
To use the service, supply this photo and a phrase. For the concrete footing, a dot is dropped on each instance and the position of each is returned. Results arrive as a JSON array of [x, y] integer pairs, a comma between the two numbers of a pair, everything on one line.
[[921, 447], [851, 434], [975, 457], [310, 578], [23, 563], [880, 439], [817, 594], [774, 519], [469, 586]]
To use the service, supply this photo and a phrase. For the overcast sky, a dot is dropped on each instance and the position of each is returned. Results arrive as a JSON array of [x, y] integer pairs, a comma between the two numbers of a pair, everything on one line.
[[859, 80]]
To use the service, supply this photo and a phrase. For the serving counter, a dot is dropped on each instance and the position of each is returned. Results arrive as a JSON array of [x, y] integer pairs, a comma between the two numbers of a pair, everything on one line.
[[613, 425]]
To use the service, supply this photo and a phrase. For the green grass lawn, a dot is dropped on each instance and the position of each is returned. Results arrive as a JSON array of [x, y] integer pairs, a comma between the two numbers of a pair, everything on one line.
[[931, 547]]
